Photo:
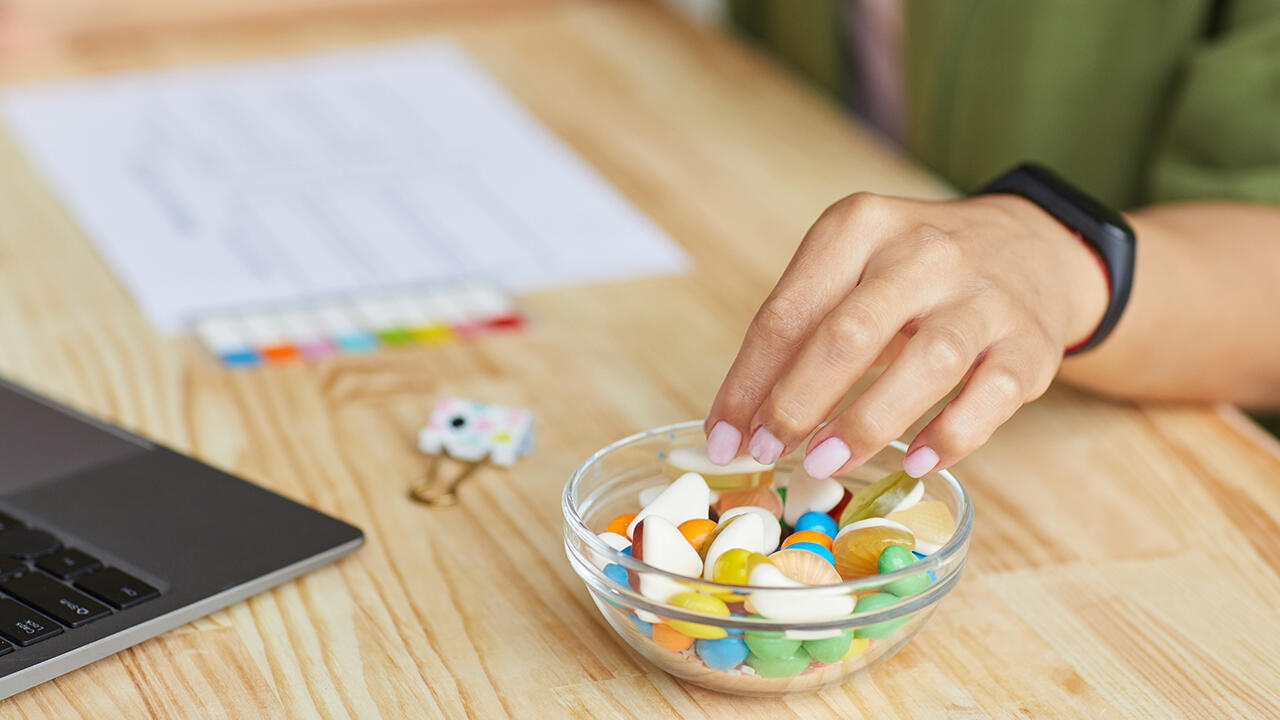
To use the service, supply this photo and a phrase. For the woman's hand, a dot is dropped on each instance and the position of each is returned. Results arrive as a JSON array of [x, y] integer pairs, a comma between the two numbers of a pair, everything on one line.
[[987, 291]]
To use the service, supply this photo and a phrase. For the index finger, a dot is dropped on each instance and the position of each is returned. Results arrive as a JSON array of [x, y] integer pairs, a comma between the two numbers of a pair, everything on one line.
[[824, 269]]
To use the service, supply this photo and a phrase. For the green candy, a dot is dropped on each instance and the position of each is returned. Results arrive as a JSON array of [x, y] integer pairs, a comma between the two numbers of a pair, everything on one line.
[[894, 558], [779, 667], [883, 629], [771, 644], [829, 650]]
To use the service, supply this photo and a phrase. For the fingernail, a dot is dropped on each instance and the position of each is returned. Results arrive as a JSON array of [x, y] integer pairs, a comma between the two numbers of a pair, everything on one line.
[[722, 443], [824, 460], [920, 462], [764, 447]]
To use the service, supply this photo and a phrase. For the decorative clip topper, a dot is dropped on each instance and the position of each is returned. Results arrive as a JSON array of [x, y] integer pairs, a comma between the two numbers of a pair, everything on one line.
[[473, 433]]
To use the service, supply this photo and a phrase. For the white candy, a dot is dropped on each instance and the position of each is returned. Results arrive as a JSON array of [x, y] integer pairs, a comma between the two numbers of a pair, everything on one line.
[[747, 532], [664, 547], [769, 524], [913, 497], [650, 494], [873, 522], [686, 498], [805, 493], [815, 605], [613, 540]]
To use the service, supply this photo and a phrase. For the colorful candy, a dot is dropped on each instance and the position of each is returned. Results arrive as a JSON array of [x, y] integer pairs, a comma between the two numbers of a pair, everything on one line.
[[621, 525], [613, 540], [698, 603], [813, 606], [764, 497], [771, 644], [819, 522], [744, 532], [780, 667], [696, 531], [660, 544], [809, 536], [771, 530], [742, 473], [829, 650], [883, 629], [895, 558], [858, 546], [724, 653], [686, 498], [805, 493], [890, 493], [731, 567], [805, 567], [816, 549], [668, 638], [930, 521]]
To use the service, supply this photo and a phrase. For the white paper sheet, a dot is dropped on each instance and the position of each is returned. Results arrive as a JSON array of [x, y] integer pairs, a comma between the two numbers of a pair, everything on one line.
[[274, 181]]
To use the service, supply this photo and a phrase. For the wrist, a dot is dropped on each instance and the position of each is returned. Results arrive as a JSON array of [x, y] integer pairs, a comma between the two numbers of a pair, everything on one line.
[[1073, 263]]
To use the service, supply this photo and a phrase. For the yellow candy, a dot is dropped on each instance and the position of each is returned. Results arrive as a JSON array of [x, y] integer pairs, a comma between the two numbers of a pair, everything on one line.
[[857, 547], [857, 647], [731, 567], [698, 603]]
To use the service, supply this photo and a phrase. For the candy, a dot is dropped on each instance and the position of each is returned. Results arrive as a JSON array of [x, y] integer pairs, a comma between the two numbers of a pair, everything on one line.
[[809, 536], [804, 566], [858, 546], [805, 494], [668, 638], [856, 647], [621, 525], [816, 549], [649, 494], [815, 604], [613, 540], [642, 627], [813, 521], [660, 544], [780, 667], [686, 498], [618, 574], [741, 531], [698, 603], [731, 567], [725, 653], [771, 644], [764, 497], [772, 531], [829, 650], [696, 531], [894, 558], [931, 523], [881, 497], [741, 473], [883, 629]]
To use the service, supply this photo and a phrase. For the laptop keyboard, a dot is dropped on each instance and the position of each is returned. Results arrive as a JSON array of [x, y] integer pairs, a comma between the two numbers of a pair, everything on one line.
[[50, 587]]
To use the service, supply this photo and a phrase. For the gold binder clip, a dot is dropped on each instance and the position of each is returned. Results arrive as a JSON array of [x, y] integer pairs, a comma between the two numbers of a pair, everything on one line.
[[434, 492]]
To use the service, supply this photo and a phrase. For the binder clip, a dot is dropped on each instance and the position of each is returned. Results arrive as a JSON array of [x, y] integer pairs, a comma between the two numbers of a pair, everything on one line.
[[473, 434]]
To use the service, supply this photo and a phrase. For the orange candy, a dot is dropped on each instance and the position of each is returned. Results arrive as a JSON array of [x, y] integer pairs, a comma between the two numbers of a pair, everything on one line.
[[669, 638], [620, 523], [812, 536], [696, 531]]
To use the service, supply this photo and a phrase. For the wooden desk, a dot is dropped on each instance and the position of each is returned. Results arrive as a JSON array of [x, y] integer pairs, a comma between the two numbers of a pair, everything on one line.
[[1124, 560]]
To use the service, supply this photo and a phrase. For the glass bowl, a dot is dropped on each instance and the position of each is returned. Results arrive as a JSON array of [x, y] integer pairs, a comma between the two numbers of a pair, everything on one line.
[[607, 485]]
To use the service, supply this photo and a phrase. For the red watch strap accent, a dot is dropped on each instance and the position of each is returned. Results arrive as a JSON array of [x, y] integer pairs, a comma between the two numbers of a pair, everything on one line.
[[1106, 277]]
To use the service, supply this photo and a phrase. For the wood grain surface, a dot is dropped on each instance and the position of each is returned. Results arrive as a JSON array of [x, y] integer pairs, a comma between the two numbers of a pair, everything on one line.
[[1124, 562]]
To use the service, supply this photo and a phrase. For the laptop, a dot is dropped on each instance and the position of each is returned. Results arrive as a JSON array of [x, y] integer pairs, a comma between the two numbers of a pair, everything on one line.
[[107, 539]]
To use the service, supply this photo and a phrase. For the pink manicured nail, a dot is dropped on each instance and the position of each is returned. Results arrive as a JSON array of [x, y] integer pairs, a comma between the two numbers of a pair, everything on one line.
[[824, 460], [920, 462], [764, 447], [722, 443]]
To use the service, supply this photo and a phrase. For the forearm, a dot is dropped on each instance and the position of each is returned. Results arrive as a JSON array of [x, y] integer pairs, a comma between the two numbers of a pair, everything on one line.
[[1203, 321]]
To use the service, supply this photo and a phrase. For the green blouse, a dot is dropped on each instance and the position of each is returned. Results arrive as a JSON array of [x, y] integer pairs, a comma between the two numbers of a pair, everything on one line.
[[1136, 101]]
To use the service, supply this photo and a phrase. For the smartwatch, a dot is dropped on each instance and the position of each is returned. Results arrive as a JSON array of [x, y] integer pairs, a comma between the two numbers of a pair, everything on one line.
[[1101, 227]]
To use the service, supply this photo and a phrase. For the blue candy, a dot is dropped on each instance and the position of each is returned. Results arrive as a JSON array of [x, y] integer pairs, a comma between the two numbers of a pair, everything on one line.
[[618, 574], [627, 551], [814, 520], [644, 628], [723, 653], [814, 548], [933, 577]]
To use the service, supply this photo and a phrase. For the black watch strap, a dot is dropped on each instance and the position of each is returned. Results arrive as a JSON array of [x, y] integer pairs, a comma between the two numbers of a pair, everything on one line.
[[1101, 227]]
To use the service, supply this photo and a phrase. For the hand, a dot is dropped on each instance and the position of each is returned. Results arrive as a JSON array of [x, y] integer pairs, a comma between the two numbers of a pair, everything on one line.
[[987, 291]]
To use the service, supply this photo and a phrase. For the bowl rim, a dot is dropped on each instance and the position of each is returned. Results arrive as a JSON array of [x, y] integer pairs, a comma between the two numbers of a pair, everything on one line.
[[934, 562]]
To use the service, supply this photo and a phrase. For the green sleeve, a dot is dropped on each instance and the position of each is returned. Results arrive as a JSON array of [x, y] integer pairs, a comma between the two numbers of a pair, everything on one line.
[[1223, 137]]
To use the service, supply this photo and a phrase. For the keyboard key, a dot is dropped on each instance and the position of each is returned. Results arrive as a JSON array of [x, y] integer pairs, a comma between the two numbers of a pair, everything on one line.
[[49, 596], [25, 543], [117, 588], [5, 647], [24, 626], [67, 563], [10, 568]]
